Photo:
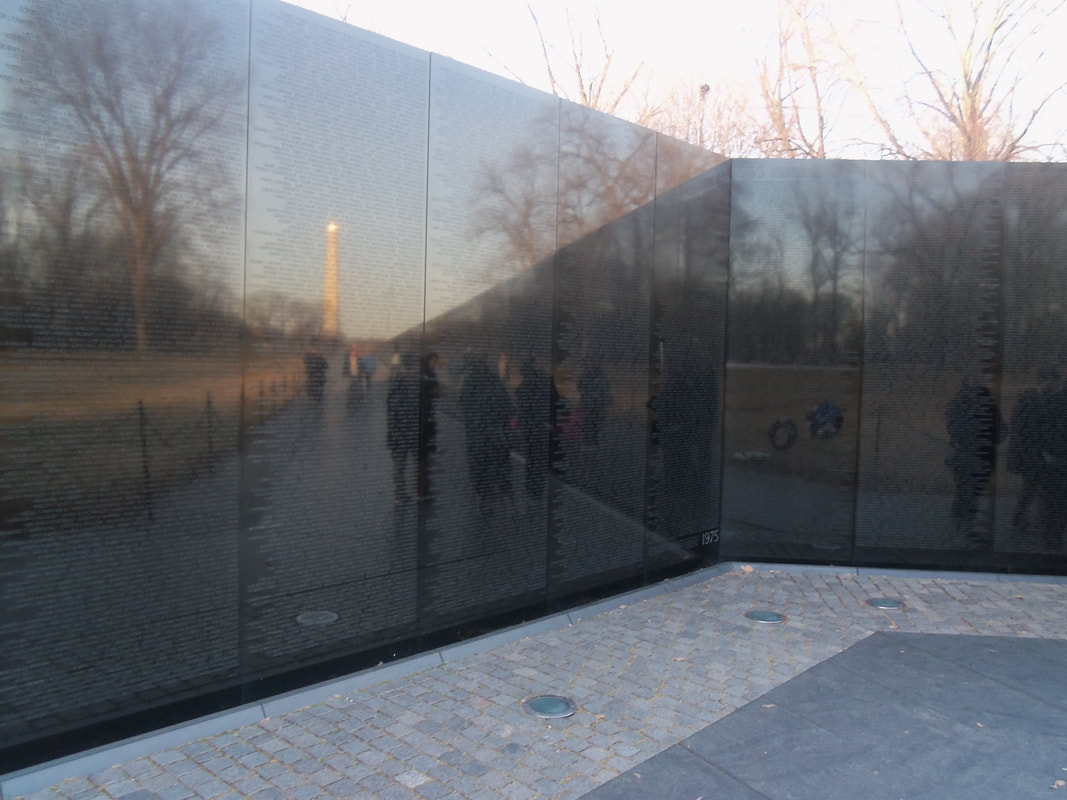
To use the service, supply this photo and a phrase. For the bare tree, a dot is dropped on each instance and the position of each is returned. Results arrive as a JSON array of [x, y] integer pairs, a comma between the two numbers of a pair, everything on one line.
[[967, 100], [713, 116], [800, 87], [136, 93], [591, 82]]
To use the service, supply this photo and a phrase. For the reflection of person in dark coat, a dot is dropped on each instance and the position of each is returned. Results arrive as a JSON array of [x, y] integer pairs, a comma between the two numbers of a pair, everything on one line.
[[595, 393], [1033, 426], [315, 370], [487, 411], [685, 414], [402, 421], [535, 397], [1053, 486], [429, 391], [974, 430]]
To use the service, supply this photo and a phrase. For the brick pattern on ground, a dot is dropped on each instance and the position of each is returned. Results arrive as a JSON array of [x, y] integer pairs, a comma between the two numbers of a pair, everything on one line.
[[645, 676]]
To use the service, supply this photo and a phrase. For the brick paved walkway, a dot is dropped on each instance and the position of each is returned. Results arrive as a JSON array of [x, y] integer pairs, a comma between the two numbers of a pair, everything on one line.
[[645, 675]]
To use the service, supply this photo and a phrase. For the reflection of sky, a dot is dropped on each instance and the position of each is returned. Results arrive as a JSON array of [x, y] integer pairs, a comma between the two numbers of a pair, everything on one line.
[[867, 197], [338, 134], [775, 197], [482, 128], [431, 170], [442, 179]]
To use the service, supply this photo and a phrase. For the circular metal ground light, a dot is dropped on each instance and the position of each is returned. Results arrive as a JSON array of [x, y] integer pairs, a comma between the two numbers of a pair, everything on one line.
[[549, 706], [312, 618], [889, 603], [768, 617]]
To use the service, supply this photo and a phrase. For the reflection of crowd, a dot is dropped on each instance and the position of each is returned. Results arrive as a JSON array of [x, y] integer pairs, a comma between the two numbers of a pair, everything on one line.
[[487, 412], [533, 422], [1037, 453], [315, 367]]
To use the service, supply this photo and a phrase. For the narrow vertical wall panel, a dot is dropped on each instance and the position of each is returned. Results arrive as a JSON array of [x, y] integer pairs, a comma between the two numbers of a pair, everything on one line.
[[687, 349], [797, 249], [600, 349], [931, 377], [336, 221], [491, 231], [1031, 477], [119, 354]]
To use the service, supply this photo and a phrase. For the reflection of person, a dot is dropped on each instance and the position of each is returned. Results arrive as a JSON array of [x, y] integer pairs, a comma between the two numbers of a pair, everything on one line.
[[535, 397], [402, 421], [429, 391], [1033, 427], [315, 370], [974, 430], [1053, 485], [366, 366], [685, 415], [595, 393], [352, 361], [487, 411]]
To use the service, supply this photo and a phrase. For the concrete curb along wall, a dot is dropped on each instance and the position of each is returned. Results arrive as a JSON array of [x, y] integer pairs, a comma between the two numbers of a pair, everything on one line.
[[41, 776], [50, 773]]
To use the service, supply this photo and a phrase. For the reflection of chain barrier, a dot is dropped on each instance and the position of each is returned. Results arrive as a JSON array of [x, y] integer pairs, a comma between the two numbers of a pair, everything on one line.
[[205, 423], [267, 402]]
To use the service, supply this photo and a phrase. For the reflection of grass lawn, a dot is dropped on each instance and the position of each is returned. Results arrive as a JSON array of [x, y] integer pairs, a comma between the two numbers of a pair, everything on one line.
[[904, 441], [71, 435]]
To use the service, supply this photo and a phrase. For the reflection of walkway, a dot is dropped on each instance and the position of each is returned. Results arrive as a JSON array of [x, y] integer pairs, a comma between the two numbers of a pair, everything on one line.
[[100, 619], [771, 515]]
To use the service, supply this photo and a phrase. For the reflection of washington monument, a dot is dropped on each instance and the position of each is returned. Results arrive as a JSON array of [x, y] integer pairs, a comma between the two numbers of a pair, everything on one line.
[[329, 299]]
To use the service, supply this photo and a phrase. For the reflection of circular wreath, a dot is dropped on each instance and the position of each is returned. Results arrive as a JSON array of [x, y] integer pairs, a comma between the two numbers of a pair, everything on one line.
[[783, 433]]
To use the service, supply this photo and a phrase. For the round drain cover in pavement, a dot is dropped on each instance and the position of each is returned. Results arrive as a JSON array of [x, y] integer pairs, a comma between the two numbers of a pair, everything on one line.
[[770, 617], [316, 618], [885, 602], [549, 706]]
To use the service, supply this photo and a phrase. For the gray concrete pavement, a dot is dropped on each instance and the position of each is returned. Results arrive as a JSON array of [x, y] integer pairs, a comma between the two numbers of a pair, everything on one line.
[[646, 672]]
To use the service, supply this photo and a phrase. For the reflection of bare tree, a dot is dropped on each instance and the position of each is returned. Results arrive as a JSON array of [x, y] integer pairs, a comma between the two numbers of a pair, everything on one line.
[[833, 226], [517, 204], [1035, 260], [275, 318], [607, 169], [796, 274], [935, 301], [139, 93], [601, 168]]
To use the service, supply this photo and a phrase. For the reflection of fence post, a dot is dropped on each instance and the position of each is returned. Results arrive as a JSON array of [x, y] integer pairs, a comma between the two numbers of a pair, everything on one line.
[[262, 404], [273, 397], [142, 417], [210, 431]]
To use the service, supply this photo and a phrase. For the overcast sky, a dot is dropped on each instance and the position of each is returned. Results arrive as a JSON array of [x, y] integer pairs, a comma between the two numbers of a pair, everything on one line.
[[697, 42]]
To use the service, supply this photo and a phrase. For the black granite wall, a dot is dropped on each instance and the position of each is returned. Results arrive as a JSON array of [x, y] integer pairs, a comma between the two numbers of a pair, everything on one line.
[[319, 350]]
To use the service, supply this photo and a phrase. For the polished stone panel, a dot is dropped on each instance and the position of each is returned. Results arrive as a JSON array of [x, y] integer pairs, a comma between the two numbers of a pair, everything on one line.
[[931, 426], [318, 350], [120, 319], [794, 342]]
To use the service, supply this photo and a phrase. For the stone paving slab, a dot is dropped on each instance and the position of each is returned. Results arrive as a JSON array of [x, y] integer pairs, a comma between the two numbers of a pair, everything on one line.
[[915, 715], [645, 676]]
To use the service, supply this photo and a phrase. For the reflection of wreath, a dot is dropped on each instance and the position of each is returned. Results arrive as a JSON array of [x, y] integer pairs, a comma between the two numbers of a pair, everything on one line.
[[783, 433]]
